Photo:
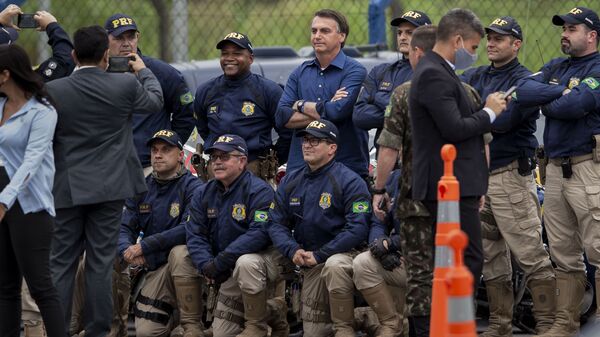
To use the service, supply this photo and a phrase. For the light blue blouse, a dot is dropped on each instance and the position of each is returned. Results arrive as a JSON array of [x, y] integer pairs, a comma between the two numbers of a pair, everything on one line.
[[27, 155]]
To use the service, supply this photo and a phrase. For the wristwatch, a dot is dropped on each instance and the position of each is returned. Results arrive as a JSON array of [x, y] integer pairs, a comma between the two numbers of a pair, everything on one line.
[[300, 105], [378, 191]]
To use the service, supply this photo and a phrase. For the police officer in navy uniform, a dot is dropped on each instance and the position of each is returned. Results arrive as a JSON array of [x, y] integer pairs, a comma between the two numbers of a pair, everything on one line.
[[60, 64], [568, 92], [319, 220], [240, 102], [510, 218], [230, 247], [177, 113], [383, 79], [160, 214]]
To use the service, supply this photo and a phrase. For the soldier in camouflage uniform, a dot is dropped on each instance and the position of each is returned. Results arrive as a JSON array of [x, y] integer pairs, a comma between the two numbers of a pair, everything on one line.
[[417, 226]]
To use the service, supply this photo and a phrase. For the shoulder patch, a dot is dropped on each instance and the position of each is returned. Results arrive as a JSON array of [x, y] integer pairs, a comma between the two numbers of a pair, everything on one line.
[[591, 82], [360, 207], [186, 98], [388, 111], [261, 216]]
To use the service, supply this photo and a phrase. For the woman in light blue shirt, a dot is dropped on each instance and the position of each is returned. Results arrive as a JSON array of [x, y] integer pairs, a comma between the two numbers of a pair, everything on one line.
[[26, 203]]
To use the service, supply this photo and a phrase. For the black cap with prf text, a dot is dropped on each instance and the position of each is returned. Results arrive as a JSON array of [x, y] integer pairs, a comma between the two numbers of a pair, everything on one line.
[[119, 24], [579, 15], [416, 18], [321, 128], [229, 143], [238, 39], [168, 136], [505, 25]]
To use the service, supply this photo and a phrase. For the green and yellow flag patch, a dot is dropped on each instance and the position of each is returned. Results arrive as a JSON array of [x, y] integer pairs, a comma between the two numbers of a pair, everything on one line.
[[186, 98], [261, 216], [591, 82], [360, 207]]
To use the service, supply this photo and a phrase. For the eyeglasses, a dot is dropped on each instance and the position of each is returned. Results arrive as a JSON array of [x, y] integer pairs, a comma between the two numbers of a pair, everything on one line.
[[224, 156], [314, 141]]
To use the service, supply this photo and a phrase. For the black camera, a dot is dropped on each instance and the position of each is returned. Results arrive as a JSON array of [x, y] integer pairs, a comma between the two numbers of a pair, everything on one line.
[[119, 64], [26, 21]]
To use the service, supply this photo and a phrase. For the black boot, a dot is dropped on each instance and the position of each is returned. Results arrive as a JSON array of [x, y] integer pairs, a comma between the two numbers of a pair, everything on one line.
[[418, 326]]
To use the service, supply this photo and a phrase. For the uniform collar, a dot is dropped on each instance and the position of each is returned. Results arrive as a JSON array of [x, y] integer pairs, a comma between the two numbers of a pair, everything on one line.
[[505, 68], [234, 184], [237, 81], [583, 59], [311, 174]]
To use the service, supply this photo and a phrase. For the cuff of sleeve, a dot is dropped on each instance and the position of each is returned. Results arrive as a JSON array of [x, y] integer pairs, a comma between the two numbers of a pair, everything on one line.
[[7, 200], [491, 113], [50, 27], [320, 106], [320, 256]]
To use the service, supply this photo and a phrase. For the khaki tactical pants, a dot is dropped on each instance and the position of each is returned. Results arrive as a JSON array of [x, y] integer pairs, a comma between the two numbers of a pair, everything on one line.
[[252, 274], [511, 225], [160, 289], [369, 273], [335, 275], [572, 216]]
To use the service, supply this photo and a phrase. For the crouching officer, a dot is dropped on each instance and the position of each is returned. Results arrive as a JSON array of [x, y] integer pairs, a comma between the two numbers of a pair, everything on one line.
[[378, 273], [241, 103], [327, 206], [172, 282], [225, 235]]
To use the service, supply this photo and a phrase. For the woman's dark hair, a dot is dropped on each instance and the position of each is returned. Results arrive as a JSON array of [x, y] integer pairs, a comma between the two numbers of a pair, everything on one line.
[[15, 59]]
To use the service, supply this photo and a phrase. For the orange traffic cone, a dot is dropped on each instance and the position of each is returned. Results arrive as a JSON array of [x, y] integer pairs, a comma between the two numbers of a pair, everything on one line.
[[461, 318], [448, 218]]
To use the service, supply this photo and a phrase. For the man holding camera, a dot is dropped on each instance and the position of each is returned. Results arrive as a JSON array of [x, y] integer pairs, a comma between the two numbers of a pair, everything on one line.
[[176, 114]]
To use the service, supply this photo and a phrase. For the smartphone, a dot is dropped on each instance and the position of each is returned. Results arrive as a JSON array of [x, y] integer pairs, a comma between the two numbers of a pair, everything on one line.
[[119, 64], [509, 92], [26, 21]]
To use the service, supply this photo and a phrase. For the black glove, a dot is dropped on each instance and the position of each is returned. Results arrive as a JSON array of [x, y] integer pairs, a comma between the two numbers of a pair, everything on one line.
[[379, 247], [390, 261], [210, 270]]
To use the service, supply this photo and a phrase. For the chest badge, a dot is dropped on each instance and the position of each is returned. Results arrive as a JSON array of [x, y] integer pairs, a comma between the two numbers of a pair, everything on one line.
[[325, 200], [211, 213], [212, 109], [573, 82], [174, 210], [248, 108], [239, 212]]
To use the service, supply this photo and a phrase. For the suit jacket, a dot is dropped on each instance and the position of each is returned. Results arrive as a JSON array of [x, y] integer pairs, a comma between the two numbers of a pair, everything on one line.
[[441, 113], [93, 144]]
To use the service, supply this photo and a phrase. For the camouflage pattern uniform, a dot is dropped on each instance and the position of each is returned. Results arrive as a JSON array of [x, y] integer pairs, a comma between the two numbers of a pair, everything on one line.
[[416, 222]]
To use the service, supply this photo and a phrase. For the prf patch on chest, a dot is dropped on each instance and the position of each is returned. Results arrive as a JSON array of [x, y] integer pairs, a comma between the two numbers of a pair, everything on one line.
[[248, 108]]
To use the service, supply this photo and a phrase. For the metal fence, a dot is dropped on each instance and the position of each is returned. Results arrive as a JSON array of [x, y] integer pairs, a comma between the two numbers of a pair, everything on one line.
[[181, 30]]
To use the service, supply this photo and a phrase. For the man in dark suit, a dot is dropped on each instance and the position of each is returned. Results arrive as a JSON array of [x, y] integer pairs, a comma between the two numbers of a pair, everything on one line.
[[96, 169], [441, 113]]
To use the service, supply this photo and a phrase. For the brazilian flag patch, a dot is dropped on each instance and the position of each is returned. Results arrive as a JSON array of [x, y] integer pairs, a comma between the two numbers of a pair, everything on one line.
[[186, 98], [360, 207], [261, 216], [591, 82], [388, 111]]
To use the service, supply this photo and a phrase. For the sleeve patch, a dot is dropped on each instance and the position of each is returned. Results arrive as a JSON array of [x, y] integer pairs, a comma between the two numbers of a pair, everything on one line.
[[591, 82], [360, 207], [261, 216], [186, 98]]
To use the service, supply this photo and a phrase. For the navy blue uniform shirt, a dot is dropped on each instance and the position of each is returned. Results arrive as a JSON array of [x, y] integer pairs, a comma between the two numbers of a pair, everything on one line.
[[571, 119], [161, 214], [514, 129], [374, 97], [311, 83], [328, 210], [176, 115], [245, 107], [227, 224]]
